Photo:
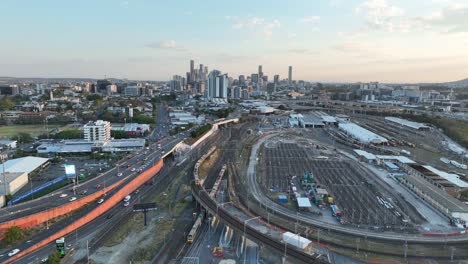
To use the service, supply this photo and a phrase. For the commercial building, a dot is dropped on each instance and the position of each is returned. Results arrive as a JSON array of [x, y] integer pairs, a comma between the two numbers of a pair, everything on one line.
[[132, 90], [132, 129], [290, 74], [98, 132]]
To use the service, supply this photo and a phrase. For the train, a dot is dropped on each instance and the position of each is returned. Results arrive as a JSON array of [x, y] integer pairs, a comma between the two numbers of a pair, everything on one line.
[[458, 165], [196, 226], [199, 181]]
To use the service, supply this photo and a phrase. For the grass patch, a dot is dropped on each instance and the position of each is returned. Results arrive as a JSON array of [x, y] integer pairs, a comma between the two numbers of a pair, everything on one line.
[[34, 130]]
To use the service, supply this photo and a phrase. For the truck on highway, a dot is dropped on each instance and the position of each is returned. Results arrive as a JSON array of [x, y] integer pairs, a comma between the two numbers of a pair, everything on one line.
[[127, 198]]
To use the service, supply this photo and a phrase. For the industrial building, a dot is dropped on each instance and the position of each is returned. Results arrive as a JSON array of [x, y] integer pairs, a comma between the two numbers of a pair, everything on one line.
[[14, 182], [361, 134], [26, 165], [433, 188], [7, 144], [407, 123]]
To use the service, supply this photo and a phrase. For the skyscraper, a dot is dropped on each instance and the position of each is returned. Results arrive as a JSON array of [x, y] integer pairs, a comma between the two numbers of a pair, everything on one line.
[[221, 86], [254, 78], [290, 75], [212, 83], [276, 78], [260, 72], [241, 79], [192, 73]]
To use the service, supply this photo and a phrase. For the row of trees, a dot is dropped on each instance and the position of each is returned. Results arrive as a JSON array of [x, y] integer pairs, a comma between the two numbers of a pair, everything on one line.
[[200, 131]]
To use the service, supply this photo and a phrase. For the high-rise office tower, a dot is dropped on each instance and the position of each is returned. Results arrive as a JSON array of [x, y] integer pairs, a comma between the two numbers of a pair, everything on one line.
[[260, 72], [276, 78], [192, 66], [241, 79], [201, 69], [221, 86], [290, 74], [254, 78], [212, 83]]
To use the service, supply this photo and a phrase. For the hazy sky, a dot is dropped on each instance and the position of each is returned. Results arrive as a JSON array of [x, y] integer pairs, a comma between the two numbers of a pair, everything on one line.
[[324, 40]]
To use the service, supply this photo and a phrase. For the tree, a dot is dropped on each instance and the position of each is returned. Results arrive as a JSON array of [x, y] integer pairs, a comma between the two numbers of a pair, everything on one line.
[[6, 104], [54, 258], [13, 235], [143, 119], [23, 137], [118, 134]]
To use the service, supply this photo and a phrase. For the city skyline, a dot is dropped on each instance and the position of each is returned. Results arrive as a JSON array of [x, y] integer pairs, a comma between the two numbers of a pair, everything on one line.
[[326, 41]]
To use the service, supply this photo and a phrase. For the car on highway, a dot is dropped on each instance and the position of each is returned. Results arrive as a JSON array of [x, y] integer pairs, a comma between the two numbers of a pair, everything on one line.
[[119, 174], [133, 169], [110, 215], [44, 260], [63, 195], [137, 191], [100, 201], [84, 192], [98, 186], [13, 252], [72, 199], [126, 204]]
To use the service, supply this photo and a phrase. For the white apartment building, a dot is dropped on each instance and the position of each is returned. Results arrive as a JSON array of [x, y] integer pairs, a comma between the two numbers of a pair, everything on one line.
[[98, 132]]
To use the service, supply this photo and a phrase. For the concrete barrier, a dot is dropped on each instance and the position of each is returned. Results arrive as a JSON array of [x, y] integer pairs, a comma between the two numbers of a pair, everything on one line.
[[106, 205], [43, 216]]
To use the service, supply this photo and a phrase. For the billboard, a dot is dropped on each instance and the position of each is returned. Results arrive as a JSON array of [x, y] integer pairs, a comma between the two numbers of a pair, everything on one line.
[[70, 171]]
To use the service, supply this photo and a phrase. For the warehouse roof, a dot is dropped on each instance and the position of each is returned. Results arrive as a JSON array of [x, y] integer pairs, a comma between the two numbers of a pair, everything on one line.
[[303, 202], [453, 178], [401, 159], [25, 164], [407, 123], [365, 154], [361, 133]]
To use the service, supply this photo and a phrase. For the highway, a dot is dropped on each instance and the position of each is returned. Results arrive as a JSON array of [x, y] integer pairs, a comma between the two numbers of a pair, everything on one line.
[[256, 193], [153, 154], [111, 217], [134, 161]]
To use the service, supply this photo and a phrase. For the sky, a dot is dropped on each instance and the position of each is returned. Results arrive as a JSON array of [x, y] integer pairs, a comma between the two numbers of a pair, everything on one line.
[[324, 40]]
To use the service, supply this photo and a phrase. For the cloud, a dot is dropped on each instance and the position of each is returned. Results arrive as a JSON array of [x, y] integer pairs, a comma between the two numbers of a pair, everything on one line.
[[257, 24], [166, 44], [451, 19], [309, 19], [124, 4], [380, 15]]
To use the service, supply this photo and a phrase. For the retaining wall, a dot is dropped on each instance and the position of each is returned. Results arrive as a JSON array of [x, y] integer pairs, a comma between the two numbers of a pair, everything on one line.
[[43, 216]]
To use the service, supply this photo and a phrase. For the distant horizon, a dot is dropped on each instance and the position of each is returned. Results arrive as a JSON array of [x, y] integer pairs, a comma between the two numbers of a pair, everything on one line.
[[390, 41], [235, 77]]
